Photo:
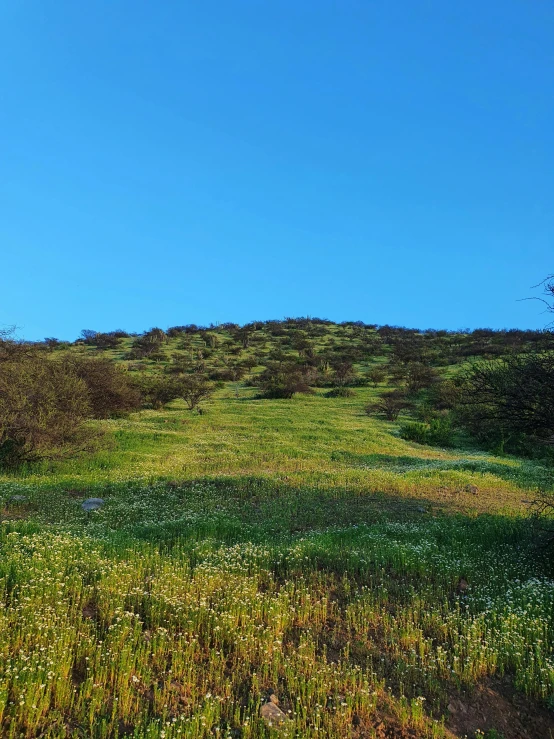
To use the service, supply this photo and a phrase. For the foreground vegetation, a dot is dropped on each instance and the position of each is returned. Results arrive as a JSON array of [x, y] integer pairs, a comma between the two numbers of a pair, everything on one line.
[[265, 546]]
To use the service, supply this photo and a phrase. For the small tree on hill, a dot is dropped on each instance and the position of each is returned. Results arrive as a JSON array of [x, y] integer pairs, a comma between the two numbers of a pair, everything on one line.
[[376, 375], [285, 379], [502, 402], [195, 388], [389, 405], [343, 373], [157, 390], [420, 376]]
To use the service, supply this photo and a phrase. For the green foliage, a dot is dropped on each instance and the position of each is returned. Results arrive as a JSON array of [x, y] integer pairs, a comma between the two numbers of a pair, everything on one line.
[[194, 388], [376, 376], [509, 404], [282, 379], [42, 408], [299, 548], [340, 392], [389, 405], [156, 391], [438, 432], [110, 393]]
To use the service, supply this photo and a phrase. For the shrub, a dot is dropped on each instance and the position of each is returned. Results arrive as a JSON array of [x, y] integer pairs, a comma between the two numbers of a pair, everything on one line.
[[42, 408], [437, 432], [285, 379], [148, 344], [508, 402], [157, 390], [343, 373], [340, 392], [419, 376], [110, 391], [107, 341], [194, 388], [376, 376], [389, 405]]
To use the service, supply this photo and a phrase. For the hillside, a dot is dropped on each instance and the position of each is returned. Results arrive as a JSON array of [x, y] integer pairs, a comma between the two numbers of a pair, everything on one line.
[[262, 545]]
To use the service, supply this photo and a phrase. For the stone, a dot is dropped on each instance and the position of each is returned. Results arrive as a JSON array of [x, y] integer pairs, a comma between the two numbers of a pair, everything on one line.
[[18, 499], [92, 504], [462, 585], [272, 714]]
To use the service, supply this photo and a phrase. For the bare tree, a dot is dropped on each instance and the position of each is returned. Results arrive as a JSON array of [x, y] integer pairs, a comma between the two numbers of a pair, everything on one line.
[[542, 517]]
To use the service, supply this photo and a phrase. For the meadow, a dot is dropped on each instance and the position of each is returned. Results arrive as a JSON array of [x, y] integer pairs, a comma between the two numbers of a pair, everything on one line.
[[297, 548]]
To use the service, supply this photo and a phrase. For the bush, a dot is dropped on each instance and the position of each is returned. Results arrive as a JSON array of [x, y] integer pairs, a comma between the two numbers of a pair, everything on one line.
[[157, 391], [340, 392], [285, 379], [376, 376], [438, 432], [110, 392], [419, 376], [389, 405], [194, 388], [43, 405], [508, 404]]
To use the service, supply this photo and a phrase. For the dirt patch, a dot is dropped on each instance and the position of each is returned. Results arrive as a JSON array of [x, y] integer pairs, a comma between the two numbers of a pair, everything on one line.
[[90, 611], [74, 493], [13, 514], [495, 704]]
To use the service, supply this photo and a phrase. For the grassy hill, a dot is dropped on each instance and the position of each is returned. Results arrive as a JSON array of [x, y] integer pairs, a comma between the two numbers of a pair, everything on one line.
[[301, 548]]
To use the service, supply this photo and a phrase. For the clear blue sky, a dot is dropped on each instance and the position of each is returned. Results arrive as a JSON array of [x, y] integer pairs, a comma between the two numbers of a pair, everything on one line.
[[178, 162]]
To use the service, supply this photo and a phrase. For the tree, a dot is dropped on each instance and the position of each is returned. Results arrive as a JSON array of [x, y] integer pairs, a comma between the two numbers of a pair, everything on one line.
[[420, 376], [343, 373], [157, 390], [42, 408], [285, 379], [195, 388], [504, 401], [389, 405], [149, 344], [106, 341], [549, 292], [376, 375]]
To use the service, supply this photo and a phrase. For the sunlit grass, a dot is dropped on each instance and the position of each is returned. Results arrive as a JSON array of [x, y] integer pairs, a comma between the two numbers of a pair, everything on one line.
[[298, 548]]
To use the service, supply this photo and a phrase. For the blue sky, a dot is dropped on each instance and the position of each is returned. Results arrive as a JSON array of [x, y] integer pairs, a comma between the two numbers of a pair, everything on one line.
[[179, 162]]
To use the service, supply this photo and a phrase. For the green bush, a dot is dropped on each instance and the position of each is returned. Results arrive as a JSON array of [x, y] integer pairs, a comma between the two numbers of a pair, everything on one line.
[[437, 432], [340, 392], [43, 405]]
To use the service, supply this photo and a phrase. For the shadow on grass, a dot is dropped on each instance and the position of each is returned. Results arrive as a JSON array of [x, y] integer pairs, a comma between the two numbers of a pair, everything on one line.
[[524, 473]]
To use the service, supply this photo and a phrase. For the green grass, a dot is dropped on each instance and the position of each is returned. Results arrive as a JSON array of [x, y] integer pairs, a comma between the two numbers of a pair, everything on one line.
[[297, 547]]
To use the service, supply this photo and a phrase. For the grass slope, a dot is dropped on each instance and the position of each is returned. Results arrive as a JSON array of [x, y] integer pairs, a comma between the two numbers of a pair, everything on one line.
[[267, 546]]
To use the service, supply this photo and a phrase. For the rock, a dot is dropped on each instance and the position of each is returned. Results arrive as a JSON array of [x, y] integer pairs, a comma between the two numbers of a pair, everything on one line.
[[272, 714], [92, 504], [462, 585], [452, 708], [18, 499], [421, 509]]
